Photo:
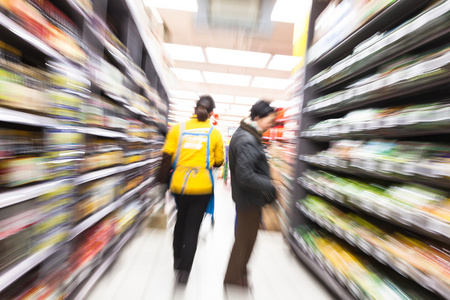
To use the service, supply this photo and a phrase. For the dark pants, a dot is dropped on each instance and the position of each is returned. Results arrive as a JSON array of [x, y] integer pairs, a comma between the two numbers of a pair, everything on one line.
[[191, 209], [247, 225]]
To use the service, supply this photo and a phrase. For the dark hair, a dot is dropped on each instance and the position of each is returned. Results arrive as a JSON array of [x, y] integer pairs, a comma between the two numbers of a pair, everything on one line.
[[205, 105], [261, 109]]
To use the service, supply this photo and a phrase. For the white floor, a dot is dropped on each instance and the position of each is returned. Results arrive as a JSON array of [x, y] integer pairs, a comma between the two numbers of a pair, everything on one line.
[[144, 269]]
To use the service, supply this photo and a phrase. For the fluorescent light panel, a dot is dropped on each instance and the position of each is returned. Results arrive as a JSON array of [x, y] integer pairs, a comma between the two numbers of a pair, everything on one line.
[[183, 95], [223, 98], [188, 75], [237, 57], [284, 62], [271, 83], [280, 103], [183, 5], [246, 100], [185, 53], [227, 78], [290, 11], [243, 108]]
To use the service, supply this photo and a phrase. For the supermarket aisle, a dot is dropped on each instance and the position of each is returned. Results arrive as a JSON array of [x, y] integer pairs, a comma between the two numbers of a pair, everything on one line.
[[144, 269]]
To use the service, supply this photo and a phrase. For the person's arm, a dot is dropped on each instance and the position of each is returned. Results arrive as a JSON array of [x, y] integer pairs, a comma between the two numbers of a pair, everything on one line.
[[169, 150], [246, 156], [218, 151]]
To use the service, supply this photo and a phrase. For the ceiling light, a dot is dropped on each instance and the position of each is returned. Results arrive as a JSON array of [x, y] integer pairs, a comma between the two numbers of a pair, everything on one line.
[[246, 100], [222, 106], [184, 95], [228, 118], [280, 103], [243, 108], [185, 53], [290, 11], [237, 57], [177, 107], [223, 98], [284, 62], [188, 74], [271, 83], [184, 5], [227, 78]]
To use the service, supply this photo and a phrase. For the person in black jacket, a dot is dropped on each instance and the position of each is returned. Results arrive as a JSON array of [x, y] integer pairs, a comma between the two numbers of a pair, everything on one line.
[[251, 186]]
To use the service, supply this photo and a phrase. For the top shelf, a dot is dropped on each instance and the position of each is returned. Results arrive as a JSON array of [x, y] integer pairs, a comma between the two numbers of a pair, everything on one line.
[[397, 12]]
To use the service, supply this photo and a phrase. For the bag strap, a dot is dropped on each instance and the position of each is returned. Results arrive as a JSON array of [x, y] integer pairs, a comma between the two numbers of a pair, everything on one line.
[[180, 143], [207, 147]]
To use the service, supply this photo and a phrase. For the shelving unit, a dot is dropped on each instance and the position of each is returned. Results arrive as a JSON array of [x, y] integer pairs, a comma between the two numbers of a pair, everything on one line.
[[141, 103], [361, 73]]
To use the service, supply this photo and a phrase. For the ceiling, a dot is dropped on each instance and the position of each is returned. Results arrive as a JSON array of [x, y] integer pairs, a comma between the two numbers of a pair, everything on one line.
[[226, 24]]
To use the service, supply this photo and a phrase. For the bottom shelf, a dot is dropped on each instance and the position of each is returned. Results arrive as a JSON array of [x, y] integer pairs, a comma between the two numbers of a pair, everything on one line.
[[329, 281], [85, 288]]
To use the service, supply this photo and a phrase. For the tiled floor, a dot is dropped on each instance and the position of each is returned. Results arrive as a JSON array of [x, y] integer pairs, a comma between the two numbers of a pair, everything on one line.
[[144, 269]]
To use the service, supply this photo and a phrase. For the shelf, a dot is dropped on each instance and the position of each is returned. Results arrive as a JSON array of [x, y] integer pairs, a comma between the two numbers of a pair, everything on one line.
[[394, 13], [414, 221], [403, 82], [97, 175], [385, 258], [424, 29], [406, 172], [116, 98], [96, 217], [315, 266], [102, 132], [90, 221], [32, 40], [97, 274], [18, 117], [29, 192], [14, 273]]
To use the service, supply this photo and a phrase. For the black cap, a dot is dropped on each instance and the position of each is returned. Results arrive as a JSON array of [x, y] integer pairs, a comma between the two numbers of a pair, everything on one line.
[[207, 102], [261, 109]]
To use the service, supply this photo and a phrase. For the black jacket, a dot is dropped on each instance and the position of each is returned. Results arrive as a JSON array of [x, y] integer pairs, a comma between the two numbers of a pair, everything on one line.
[[250, 173]]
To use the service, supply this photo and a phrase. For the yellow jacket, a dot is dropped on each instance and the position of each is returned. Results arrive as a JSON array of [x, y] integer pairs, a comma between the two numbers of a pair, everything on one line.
[[192, 174]]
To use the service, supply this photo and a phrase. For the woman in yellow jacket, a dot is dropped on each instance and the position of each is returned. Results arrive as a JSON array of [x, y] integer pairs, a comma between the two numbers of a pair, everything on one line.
[[193, 148]]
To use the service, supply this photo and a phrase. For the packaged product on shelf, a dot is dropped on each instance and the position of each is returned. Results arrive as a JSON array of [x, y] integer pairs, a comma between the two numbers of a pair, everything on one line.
[[23, 159], [101, 153], [46, 22], [17, 224], [56, 207], [127, 216], [353, 270], [95, 195], [21, 86]]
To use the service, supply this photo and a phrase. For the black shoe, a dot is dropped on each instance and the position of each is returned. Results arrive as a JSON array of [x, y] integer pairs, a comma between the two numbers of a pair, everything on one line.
[[176, 263], [183, 276]]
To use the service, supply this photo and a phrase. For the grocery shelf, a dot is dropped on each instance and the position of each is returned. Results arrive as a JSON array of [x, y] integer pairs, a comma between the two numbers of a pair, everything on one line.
[[318, 268], [394, 171], [103, 132], [32, 40], [136, 13], [96, 217], [138, 164], [15, 272], [402, 267], [423, 29], [90, 221], [414, 221], [97, 175], [377, 92], [116, 98], [21, 194], [393, 14], [95, 276], [18, 117]]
